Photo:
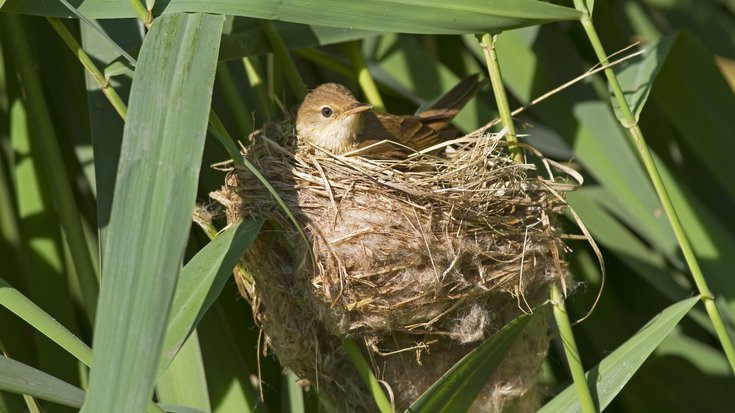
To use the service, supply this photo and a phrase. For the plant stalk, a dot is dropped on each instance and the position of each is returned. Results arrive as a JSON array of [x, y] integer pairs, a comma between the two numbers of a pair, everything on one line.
[[143, 13], [487, 43], [630, 123], [86, 61], [570, 349]]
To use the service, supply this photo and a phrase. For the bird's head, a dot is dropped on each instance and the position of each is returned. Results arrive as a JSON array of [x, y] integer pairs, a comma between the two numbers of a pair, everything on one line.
[[329, 117]]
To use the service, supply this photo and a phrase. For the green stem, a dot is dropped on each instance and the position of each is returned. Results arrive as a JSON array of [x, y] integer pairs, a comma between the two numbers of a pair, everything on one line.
[[487, 42], [143, 13], [46, 146], [367, 376], [86, 61], [367, 84], [287, 63], [237, 107], [570, 349], [630, 123], [254, 71]]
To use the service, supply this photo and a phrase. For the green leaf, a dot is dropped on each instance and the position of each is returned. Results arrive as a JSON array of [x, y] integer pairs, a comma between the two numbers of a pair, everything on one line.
[[202, 280], [248, 39], [608, 378], [711, 240], [616, 237], [225, 354], [457, 389], [151, 210], [184, 381], [106, 126], [691, 86], [120, 67], [706, 358], [293, 393], [47, 154], [427, 16], [19, 378], [39, 244], [637, 77], [174, 408], [24, 308], [366, 374]]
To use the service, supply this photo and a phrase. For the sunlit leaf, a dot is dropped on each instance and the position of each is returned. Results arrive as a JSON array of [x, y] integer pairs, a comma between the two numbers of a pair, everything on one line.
[[429, 16], [608, 378], [152, 206]]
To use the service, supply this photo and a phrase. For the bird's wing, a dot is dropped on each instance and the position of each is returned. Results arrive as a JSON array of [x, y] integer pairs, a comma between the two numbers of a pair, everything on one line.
[[446, 108], [409, 132]]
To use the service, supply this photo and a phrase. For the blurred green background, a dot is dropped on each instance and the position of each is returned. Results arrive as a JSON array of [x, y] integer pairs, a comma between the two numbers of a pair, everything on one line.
[[688, 121]]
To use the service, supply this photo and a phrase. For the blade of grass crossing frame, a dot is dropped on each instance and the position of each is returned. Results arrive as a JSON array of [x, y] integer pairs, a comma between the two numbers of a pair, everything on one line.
[[26, 309], [427, 16], [17, 377], [106, 127], [636, 77], [184, 381], [706, 97], [151, 210], [202, 280], [456, 389], [608, 378], [40, 244], [224, 354]]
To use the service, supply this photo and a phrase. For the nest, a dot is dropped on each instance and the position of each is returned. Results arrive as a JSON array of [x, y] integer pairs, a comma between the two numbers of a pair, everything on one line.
[[418, 260]]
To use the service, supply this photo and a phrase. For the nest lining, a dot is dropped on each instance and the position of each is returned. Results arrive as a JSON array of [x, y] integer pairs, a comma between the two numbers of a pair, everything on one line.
[[403, 254]]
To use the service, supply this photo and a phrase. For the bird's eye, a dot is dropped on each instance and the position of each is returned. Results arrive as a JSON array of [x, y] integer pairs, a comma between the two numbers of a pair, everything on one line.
[[327, 111]]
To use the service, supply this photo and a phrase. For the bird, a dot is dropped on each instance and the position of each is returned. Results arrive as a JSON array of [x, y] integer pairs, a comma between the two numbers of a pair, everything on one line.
[[332, 119]]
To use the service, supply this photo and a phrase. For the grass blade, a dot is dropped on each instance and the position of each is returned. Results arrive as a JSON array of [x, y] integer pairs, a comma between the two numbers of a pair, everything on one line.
[[637, 78], [24, 308], [224, 353], [427, 16], [608, 378], [456, 390], [19, 378], [152, 206], [184, 381], [45, 144], [202, 280], [366, 374], [249, 39]]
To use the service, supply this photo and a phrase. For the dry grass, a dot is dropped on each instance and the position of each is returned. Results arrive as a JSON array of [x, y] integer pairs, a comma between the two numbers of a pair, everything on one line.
[[408, 256]]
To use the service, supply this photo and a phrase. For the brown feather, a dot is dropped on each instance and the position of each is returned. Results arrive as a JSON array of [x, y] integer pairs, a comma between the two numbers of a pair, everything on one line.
[[417, 132]]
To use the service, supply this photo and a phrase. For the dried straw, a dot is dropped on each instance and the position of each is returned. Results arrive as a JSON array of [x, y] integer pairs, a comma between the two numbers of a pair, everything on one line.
[[418, 259]]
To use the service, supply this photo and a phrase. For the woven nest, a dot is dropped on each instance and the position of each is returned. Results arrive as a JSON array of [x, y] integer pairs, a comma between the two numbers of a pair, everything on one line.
[[417, 260]]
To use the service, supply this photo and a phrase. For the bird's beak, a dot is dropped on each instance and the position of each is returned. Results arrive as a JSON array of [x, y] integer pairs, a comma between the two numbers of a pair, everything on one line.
[[357, 107]]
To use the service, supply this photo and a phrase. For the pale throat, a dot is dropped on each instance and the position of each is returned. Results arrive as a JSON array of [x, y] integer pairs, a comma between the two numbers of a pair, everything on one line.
[[338, 135]]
